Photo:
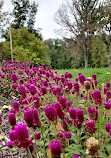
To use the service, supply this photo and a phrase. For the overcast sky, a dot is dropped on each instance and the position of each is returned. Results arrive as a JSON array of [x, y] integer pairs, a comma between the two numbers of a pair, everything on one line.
[[45, 16]]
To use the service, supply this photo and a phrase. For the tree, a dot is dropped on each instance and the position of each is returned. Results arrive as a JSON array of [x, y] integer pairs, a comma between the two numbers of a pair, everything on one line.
[[80, 20], [59, 54], [27, 47], [105, 13], [99, 53], [24, 14]]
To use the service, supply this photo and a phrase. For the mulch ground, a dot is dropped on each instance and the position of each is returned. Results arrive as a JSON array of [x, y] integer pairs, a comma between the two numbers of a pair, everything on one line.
[[6, 102]]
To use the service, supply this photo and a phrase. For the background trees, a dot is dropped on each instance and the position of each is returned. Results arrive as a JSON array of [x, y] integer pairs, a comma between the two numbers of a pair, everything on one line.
[[86, 26], [27, 47]]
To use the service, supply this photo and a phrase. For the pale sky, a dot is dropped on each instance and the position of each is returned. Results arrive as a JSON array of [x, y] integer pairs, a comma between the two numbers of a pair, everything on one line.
[[45, 16]]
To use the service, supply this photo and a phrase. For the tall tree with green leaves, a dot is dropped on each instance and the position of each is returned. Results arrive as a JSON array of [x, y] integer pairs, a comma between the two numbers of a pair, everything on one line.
[[24, 13], [27, 47], [79, 19], [105, 13]]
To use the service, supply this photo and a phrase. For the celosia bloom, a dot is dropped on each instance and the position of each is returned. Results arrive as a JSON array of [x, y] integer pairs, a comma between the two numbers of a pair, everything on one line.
[[43, 90], [82, 79], [97, 97], [13, 136], [90, 126], [36, 102], [108, 85], [94, 76], [72, 113], [50, 112], [28, 117], [23, 136], [76, 87], [10, 144], [22, 91], [108, 127], [80, 115], [56, 149], [68, 135], [37, 122], [32, 89], [77, 124], [12, 119], [14, 86], [60, 113], [93, 113], [62, 101], [16, 106], [37, 135], [62, 138], [107, 105], [14, 77]]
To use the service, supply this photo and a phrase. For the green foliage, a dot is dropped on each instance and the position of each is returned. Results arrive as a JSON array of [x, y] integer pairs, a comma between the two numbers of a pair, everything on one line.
[[57, 50], [99, 54], [27, 47]]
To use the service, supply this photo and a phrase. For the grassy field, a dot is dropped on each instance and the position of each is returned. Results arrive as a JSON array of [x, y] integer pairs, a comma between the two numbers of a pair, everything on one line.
[[103, 74]]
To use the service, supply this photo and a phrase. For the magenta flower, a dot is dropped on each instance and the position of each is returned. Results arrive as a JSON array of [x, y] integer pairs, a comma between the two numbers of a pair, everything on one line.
[[80, 115], [13, 136], [94, 76], [93, 113], [22, 91], [14, 77], [68, 135], [62, 138], [50, 112], [32, 89], [90, 126], [60, 113], [56, 148], [45, 83], [14, 86], [107, 105], [10, 144], [12, 119], [62, 101], [108, 127], [37, 135], [16, 106], [108, 85], [82, 79], [43, 90], [72, 113], [22, 132], [37, 122], [28, 117], [76, 87], [97, 97], [36, 102], [94, 83]]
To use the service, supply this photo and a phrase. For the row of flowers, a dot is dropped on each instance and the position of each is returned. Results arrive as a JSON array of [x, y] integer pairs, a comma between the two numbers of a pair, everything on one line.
[[59, 116]]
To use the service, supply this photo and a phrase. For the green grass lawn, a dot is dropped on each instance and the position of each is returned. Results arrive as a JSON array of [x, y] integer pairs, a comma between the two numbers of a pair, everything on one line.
[[103, 74]]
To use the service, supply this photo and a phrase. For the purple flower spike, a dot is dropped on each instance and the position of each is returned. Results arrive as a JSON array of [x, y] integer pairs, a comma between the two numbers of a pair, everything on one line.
[[90, 126], [56, 148], [10, 144], [12, 119], [50, 112], [32, 89]]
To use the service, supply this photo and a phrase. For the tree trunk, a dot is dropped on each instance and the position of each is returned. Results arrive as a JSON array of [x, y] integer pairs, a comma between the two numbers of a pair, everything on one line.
[[86, 60], [109, 57]]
